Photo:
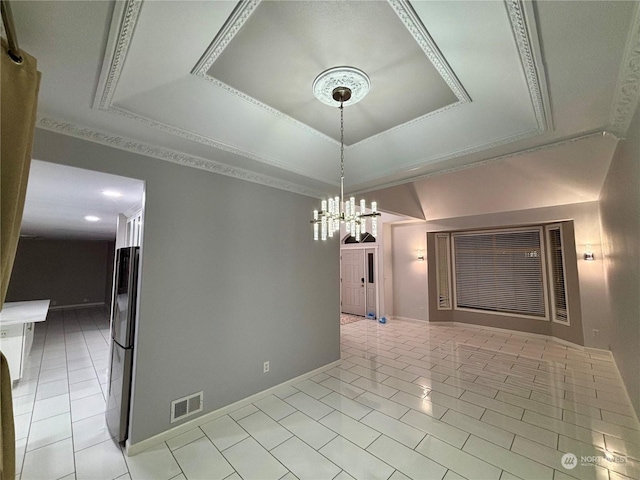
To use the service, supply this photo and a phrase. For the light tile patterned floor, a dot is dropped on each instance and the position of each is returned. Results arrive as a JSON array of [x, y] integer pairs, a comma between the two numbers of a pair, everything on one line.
[[409, 400]]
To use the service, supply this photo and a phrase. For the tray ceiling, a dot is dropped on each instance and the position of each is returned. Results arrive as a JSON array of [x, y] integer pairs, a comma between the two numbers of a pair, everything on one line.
[[407, 120], [200, 83]]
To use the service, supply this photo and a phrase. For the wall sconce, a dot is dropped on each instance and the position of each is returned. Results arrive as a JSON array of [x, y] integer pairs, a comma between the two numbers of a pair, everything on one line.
[[420, 254], [588, 255]]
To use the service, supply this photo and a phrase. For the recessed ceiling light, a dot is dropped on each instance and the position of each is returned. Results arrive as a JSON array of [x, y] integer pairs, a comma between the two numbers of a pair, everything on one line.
[[111, 193], [91, 218]]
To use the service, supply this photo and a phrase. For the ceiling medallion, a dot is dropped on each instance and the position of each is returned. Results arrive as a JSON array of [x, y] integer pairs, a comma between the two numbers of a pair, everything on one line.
[[344, 86], [351, 78]]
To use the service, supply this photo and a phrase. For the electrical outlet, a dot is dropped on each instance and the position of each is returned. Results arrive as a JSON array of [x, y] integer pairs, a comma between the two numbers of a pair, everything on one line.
[[596, 332], [265, 367]]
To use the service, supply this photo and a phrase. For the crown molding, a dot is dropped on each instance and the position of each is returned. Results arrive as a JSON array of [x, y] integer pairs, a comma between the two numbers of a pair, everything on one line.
[[215, 144], [523, 32], [123, 25], [519, 153], [522, 25], [628, 89], [173, 156], [449, 156], [123, 28], [406, 14], [413, 24]]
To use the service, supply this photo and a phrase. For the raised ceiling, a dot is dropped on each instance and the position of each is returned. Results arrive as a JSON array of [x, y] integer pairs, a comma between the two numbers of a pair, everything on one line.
[[226, 86], [274, 58]]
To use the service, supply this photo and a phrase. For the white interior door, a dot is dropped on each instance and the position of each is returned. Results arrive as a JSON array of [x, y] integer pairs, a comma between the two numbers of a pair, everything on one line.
[[353, 287]]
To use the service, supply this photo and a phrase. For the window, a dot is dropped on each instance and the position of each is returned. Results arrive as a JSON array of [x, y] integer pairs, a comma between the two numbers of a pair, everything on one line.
[[443, 271], [366, 238], [557, 280], [501, 272]]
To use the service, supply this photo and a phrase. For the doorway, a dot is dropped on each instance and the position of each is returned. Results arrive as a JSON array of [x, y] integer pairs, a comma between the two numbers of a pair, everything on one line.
[[359, 285]]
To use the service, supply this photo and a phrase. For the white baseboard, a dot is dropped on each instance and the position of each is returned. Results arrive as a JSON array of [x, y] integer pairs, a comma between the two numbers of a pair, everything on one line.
[[78, 306], [135, 448], [534, 335], [598, 351], [407, 319]]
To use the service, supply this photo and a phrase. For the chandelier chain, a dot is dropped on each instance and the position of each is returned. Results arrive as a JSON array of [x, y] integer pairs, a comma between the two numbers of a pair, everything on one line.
[[341, 139], [342, 152]]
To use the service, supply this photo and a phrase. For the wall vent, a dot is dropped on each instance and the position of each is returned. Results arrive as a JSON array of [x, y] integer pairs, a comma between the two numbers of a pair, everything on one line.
[[186, 406]]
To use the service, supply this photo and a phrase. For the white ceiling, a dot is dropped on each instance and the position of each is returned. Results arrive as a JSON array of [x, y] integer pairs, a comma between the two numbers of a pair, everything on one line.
[[59, 197], [526, 76]]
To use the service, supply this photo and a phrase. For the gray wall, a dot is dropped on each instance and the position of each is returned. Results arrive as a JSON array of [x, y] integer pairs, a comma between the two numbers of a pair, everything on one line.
[[231, 277], [411, 296], [68, 272], [620, 223]]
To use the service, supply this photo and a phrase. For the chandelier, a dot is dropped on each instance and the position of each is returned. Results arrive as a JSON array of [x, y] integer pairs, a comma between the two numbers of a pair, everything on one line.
[[345, 86]]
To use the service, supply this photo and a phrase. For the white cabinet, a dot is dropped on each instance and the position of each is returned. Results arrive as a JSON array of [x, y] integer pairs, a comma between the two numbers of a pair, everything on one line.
[[16, 332], [15, 342]]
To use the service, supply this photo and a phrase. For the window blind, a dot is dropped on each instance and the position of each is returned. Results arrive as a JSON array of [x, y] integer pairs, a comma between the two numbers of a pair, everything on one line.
[[500, 272], [559, 310], [443, 271]]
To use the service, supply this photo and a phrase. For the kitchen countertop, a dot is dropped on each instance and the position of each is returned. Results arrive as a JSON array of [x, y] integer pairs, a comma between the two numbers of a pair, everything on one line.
[[24, 312]]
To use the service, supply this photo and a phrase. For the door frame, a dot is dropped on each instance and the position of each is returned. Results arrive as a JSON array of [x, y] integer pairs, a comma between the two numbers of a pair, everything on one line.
[[376, 257]]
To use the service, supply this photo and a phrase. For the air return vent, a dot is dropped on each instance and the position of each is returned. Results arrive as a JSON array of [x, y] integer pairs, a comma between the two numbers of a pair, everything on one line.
[[185, 406]]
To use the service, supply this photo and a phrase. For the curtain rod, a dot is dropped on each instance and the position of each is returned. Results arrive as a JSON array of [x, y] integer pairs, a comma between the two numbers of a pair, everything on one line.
[[12, 38]]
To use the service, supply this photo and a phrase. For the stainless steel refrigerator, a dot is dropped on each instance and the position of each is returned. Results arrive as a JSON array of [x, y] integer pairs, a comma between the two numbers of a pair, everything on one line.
[[123, 314]]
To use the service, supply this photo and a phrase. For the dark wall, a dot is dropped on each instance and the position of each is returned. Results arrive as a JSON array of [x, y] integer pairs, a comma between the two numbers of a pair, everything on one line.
[[67, 272]]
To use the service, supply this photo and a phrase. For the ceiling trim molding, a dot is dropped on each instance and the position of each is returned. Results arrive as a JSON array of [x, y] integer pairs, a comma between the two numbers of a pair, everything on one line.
[[524, 33], [407, 16], [218, 145], [273, 111], [519, 25], [234, 23], [414, 25], [449, 156], [123, 24], [628, 88], [130, 145], [123, 28], [480, 163]]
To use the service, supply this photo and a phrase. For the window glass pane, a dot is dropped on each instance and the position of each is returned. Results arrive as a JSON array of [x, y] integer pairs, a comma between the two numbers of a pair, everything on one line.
[[500, 271]]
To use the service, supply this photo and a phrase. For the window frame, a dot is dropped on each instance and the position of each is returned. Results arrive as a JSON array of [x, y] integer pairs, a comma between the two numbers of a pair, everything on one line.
[[552, 297], [447, 238], [545, 284]]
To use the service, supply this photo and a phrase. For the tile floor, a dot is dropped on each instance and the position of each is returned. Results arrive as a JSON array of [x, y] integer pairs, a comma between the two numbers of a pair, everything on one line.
[[409, 400]]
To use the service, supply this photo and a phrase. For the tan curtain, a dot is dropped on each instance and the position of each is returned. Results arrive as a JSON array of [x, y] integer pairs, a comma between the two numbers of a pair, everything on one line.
[[19, 100], [7, 432], [18, 103]]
